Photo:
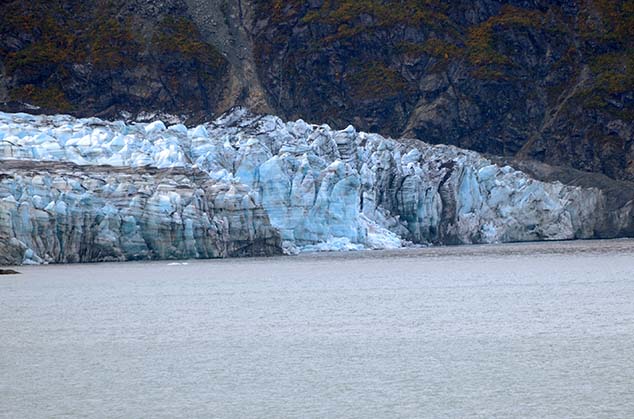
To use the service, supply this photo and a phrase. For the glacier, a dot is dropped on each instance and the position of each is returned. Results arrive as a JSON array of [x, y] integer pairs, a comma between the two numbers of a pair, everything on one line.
[[87, 190]]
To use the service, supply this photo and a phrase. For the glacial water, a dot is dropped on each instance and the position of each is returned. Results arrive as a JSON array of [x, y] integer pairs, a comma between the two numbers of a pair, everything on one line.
[[541, 330]]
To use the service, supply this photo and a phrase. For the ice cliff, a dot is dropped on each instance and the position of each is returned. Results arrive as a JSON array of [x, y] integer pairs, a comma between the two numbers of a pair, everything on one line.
[[79, 190]]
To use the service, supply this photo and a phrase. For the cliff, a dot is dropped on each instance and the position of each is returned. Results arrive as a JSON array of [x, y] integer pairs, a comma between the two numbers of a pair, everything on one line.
[[551, 81], [87, 190], [108, 58]]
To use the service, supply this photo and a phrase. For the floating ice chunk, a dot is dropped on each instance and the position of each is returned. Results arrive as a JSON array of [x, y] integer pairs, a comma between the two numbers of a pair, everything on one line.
[[335, 244], [379, 237]]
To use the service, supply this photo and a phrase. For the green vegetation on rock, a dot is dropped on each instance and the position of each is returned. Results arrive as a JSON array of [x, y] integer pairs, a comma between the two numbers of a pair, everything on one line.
[[92, 56], [375, 81], [549, 80]]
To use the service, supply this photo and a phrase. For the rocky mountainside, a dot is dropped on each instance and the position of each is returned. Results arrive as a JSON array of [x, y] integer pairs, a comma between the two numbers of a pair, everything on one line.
[[107, 57], [552, 81], [542, 80]]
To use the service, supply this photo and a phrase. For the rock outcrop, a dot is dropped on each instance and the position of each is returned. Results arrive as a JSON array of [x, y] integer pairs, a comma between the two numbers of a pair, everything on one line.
[[114, 59], [551, 81], [78, 190]]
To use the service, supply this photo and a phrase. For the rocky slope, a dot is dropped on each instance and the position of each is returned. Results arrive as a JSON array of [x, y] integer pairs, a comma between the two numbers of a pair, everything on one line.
[[91, 190], [108, 58], [551, 81]]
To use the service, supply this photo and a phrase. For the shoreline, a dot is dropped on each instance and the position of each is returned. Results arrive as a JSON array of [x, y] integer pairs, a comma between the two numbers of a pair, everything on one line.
[[539, 248]]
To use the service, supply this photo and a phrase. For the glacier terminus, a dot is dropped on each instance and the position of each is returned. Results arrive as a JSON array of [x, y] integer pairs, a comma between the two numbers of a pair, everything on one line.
[[88, 190]]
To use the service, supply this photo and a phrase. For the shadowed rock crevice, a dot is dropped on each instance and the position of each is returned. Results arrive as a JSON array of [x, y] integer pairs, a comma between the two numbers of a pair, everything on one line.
[[227, 25]]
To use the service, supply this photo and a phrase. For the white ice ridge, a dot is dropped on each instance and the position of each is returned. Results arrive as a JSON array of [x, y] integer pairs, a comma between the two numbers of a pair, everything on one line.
[[321, 189]]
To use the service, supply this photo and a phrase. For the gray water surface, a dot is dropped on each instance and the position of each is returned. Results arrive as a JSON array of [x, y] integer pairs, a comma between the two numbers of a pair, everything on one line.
[[512, 331]]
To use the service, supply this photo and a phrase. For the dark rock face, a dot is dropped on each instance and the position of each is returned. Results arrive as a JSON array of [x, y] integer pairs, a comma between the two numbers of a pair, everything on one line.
[[8, 272], [103, 57], [543, 80], [552, 81]]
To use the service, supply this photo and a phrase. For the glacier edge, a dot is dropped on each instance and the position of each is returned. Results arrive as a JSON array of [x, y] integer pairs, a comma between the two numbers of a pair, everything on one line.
[[86, 190]]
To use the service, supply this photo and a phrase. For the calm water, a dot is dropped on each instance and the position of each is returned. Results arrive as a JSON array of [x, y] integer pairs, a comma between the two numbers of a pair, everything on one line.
[[520, 331]]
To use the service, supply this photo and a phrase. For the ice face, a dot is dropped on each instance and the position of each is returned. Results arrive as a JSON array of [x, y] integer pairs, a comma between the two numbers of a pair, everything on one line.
[[149, 191]]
